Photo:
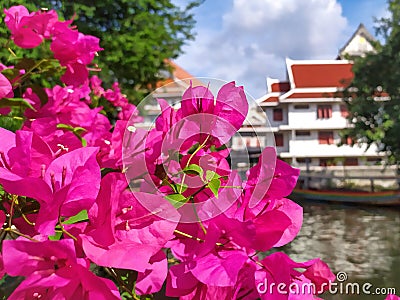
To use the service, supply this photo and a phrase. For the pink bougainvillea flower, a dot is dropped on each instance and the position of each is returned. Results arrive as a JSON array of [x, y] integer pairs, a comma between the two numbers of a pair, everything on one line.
[[29, 155], [115, 96], [70, 46], [284, 180], [5, 87], [152, 279], [5, 111], [8, 141], [75, 51], [95, 86], [295, 213], [392, 297], [127, 111], [29, 29], [110, 155], [209, 262], [260, 177], [33, 100], [180, 280], [204, 115], [14, 15], [66, 186], [230, 104], [120, 226], [130, 112], [269, 179], [65, 107], [52, 270], [181, 283], [6, 91], [278, 268], [168, 117], [76, 74]]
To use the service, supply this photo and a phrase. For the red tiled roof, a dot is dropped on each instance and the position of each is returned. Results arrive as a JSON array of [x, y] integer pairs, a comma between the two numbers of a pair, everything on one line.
[[280, 87], [313, 95], [321, 75], [270, 98], [178, 74]]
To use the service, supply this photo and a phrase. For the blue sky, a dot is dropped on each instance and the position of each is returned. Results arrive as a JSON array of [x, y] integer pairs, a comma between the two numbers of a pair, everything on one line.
[[248, 40]]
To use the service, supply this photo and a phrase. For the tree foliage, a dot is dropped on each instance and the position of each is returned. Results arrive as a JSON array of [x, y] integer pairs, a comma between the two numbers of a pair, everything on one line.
[[373, 97], [137, 36]]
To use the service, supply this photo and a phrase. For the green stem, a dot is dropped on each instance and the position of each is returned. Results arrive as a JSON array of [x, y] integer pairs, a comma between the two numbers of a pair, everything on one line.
[[111, 272], [190, 159], [20, 234], [66, 231], [30, 71]]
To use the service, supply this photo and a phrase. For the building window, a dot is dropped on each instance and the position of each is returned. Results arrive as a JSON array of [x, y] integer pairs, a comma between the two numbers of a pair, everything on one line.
[[343, 110], [325, 137], [278, 114], [324, 111], [301, 106], [326, 162], [351, 161], [302, 133], [374, 160], [279, 140], [346, 140]]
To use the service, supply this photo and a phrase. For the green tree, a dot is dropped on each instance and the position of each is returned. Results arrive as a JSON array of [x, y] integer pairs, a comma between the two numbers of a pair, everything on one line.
[[137, 36], [373, 97]]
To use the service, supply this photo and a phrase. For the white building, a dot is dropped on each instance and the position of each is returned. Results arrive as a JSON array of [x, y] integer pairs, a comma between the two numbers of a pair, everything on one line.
[[306, 112], [170, 89]]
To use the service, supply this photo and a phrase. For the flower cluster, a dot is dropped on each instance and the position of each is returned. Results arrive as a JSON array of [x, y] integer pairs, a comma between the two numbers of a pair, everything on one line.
[[71, 48], [93, 209]]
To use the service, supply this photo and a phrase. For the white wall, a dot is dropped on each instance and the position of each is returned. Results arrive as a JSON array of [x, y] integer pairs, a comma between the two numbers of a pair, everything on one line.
[[309, 146], [286, 138], [244, 142], [270, 115], [307, 118]]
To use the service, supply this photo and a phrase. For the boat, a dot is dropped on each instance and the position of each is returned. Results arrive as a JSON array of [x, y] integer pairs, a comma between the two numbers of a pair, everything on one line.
[[362, 197]]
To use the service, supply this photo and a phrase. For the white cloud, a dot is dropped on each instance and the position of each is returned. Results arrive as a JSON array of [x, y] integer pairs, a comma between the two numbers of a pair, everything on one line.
[[257, 35]]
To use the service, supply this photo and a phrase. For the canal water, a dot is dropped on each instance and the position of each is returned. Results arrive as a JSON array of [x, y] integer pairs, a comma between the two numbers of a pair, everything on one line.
[[362, 243]]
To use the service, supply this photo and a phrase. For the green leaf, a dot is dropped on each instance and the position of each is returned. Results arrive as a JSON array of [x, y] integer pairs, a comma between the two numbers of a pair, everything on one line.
[[215, 149], [180, 188], [77, 131], [10, 102], [83, 141], [11, 123], [177, 200], [210, 175], [55, 237], [214, 186], [79, 217], [65, 126], [193, 148], [194, 169]]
